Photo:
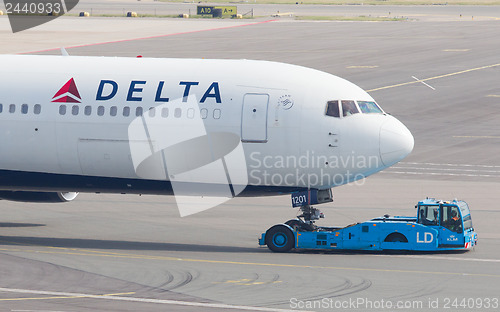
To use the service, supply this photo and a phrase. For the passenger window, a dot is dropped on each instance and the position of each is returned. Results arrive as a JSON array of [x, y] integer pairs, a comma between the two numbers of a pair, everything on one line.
[[332, 109], [100, 110], [164, 112], [369, 107], [152, 112], [204, 113], [190, 113], [24, 108], [178, 113], [12, 108], [88, 110], [75, 110], [217, 113], [37, 109], [1, 108], [113, 111], [62, 110], [138, 111], [349, 108], [126, 111]]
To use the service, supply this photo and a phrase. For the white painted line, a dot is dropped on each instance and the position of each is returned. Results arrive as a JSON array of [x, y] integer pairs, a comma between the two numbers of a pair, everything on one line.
[[35, 311], [447, 258], [446, 169], [283, 14], [65, 10], [456, 50], [442, 174], [435, 77], [423, 82], [454, 165], [476, 136], [361, 66], [146, 300]]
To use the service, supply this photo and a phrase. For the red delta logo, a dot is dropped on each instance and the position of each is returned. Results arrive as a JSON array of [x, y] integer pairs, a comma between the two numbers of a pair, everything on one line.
[[68, 93]]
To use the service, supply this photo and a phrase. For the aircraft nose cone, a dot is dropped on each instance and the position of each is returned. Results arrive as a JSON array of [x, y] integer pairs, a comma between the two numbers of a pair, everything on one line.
[[396, 142]]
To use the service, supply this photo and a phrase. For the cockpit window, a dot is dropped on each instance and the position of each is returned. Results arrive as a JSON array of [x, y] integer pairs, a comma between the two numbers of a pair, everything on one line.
[[349, 108], [369, 107], [332, 109]]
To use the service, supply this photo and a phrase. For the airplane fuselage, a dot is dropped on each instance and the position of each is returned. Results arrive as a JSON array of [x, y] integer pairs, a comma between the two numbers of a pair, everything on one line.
[[66, 123]]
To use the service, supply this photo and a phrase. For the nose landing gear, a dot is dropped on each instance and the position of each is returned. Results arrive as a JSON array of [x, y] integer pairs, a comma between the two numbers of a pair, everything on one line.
[[281, 237], [305, 221]]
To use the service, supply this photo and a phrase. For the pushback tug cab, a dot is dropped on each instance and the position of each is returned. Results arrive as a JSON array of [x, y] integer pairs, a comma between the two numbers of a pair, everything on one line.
[[451, 220], [438, 226]]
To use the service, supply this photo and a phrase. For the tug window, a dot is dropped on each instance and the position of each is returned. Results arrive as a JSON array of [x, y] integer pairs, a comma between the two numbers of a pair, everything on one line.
[[332, 109], [428, 215], [451, 219]]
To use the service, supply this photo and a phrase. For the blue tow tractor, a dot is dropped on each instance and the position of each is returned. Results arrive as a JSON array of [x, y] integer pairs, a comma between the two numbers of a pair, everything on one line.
[[438, 226]]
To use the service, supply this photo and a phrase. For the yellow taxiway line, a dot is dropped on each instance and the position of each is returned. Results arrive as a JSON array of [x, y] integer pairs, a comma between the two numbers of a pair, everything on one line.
[[90, 253]]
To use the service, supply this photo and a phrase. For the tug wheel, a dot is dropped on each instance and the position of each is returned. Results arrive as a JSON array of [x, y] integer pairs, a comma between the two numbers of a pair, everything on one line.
[[279, 238]]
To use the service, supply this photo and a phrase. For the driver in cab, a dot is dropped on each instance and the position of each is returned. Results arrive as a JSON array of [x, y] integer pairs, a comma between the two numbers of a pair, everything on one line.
[[455, 222]]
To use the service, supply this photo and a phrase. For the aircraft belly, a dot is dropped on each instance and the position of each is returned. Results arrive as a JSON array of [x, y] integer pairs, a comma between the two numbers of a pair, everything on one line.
[[28, 146], [93, 149], [105, 157]]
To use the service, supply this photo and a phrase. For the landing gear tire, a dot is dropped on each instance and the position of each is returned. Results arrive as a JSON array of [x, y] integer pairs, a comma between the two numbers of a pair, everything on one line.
[[295, 224], [300, 225], [280, 238]]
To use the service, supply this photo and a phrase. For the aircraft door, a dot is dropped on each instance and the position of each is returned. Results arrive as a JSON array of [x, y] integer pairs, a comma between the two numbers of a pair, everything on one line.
[[254, 118]]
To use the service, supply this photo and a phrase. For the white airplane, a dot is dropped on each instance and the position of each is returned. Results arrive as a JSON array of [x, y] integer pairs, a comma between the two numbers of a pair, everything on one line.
[[73, 124]]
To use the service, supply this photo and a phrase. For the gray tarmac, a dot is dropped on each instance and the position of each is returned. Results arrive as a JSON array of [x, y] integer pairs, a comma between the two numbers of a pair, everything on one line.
[[134, 253], [438, 11]]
